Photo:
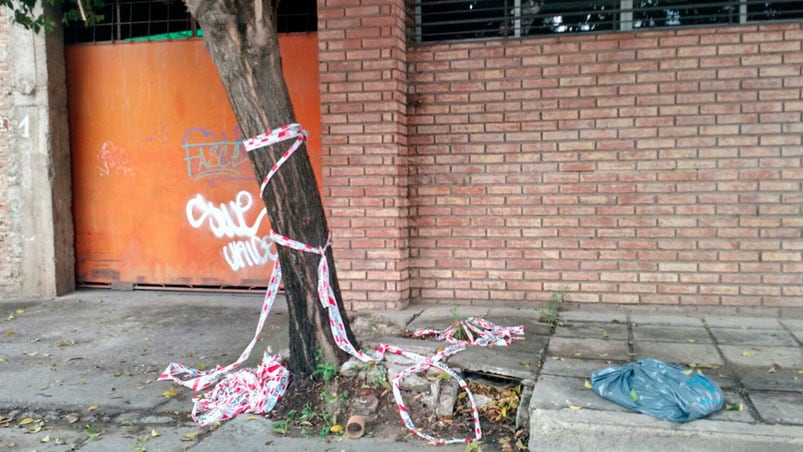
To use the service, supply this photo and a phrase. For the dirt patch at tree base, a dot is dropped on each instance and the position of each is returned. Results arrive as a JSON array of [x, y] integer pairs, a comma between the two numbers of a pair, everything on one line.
[[317, 409]]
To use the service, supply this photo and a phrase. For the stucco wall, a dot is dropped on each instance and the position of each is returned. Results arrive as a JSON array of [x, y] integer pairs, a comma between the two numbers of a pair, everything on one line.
[[35, 217]]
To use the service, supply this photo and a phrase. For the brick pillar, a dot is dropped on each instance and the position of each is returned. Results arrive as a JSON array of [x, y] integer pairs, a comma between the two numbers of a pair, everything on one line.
[[363, 51]]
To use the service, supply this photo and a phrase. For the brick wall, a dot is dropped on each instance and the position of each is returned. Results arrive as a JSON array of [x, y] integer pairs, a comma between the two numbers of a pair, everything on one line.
[[652, 167], [364, 123], [10, 248]]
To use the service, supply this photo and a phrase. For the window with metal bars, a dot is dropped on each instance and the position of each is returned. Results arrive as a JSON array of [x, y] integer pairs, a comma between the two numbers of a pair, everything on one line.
[[446, 20], [132, 20]]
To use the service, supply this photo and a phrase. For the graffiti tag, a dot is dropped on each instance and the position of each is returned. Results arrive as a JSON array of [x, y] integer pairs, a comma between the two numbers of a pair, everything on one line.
[[228, 220], [113, 159], [206, 155]]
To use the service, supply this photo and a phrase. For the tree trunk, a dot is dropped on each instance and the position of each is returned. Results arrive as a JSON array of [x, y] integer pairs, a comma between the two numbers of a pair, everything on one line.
[[242, 40]]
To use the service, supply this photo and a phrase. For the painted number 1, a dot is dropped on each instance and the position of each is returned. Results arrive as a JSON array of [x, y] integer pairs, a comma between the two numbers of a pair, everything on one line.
[[25, 126]]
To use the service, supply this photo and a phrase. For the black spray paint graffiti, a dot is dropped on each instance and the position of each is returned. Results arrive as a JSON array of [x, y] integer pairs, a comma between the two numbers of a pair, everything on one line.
[[206, 155], [229, 220]]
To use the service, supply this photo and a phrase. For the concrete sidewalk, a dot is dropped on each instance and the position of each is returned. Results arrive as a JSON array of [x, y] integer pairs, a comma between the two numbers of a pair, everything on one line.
[[88, 362]]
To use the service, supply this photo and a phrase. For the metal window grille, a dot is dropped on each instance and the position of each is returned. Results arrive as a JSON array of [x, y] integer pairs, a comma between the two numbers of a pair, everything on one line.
[[131, 20], [444, 20]]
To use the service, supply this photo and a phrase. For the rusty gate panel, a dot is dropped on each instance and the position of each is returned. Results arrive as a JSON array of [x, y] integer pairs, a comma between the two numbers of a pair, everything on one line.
[[163, 191]]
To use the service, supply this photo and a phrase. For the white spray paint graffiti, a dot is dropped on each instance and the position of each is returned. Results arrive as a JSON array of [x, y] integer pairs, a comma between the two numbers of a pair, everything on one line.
[[227, 220]]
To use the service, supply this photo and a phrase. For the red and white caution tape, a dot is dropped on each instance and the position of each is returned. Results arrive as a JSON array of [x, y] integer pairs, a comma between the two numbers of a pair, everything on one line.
[[257, 391], [478, 331]]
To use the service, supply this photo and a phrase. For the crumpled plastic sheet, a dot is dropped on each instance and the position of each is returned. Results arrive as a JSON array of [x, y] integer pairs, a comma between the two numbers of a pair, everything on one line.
[[659, 389]]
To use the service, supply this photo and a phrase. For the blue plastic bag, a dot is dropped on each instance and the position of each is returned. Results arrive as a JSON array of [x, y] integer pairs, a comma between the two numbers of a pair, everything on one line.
[[659, 389]]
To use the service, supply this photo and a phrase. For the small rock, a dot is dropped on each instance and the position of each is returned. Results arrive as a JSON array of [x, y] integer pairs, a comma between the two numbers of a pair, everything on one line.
[[351, 367], [481, 400], [447, 398], [430, 398], [366, 406], [523, 412]]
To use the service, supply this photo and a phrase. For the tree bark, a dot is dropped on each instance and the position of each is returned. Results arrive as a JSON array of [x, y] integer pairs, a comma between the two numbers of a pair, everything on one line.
[[242, 40]]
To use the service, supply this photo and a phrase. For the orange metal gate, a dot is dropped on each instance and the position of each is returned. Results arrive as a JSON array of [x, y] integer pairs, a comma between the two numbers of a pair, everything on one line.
[[163, 192]]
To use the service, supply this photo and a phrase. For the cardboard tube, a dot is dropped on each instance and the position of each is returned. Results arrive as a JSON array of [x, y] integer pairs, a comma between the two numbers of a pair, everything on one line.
[[355, 427]]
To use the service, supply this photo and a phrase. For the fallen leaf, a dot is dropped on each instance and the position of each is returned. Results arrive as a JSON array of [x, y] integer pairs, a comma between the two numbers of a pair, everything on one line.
[[603, 355], [633, 395], [92, 408], [66, 343], [26, 421], [577, 353], [2, 360], [93, 433], [691, 341], [772, 370], [604, 333], [748, 353], [170, 393], [155, 433], [46, 439], [10, 333], [337, 428], [20, 311], [575, 407], [190, 436], [558, 358], [733, 406], [72, 418], [30, 353], [587, 384], [688, 371], [36, 428]]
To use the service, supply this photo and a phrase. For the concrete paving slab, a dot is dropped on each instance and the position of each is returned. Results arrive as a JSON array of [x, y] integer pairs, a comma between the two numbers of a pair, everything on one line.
[[675, 333], [796, 327], [659, 319], [681, 354], [593, 330], [723, 375], [581, 430], [497, 361], [170, 439], [567, 347], [381, 323], [739, 336], [763, 356], [440, 317], [555, 393], [740, 415], [242, 434], [422, 347], [779, 407], [573, 367], [774, 378], [531, 325], [593, 316], [756, 323], [58, 439]]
